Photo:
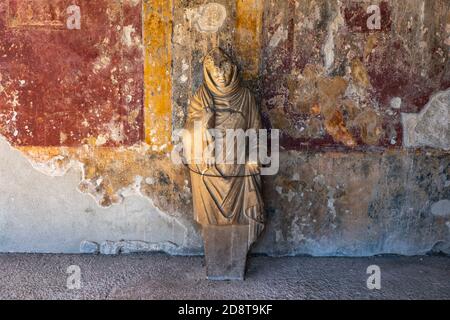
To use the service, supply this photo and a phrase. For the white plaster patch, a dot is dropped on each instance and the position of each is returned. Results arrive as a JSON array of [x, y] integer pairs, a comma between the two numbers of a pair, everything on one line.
[[127, 247], [89, 247], [280, 35], [116, 131], [207, 18], [183, 78], [329, 46], [184, 66], [441, 208], [127, 36], [330, 203], [430, 127], [57, 166], [396, 103], [46, 216], [134, 189], [101, 140], [297, 232], [101, 63], [13, 98]]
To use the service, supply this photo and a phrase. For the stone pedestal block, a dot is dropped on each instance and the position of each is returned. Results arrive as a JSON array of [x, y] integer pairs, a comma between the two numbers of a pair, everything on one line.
[[226, 249]]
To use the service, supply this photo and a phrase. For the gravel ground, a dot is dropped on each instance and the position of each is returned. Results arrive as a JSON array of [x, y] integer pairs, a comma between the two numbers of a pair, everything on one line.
[[157, 276]]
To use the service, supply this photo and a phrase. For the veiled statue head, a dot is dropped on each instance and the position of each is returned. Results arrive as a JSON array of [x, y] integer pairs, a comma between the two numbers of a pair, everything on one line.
[[220, 69]]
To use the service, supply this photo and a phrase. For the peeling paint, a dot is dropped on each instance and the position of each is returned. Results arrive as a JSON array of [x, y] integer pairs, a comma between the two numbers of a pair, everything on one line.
[[102, 101]]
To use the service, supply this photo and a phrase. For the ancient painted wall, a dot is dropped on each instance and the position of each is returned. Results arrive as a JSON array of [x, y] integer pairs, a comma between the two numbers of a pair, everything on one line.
[[90, 92]]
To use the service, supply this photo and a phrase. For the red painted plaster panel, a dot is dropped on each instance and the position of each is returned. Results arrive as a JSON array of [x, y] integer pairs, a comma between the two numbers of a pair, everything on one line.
[[61, 87]]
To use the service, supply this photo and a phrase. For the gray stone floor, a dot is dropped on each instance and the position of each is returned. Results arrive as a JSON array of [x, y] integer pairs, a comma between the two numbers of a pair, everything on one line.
[[164, 277]]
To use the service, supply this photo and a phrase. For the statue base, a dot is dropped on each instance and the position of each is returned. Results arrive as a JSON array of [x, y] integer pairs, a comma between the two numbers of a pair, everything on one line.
[[226, 249]]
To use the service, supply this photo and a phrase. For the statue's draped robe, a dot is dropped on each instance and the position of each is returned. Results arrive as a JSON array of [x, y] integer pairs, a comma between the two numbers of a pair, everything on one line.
[[225, 194]]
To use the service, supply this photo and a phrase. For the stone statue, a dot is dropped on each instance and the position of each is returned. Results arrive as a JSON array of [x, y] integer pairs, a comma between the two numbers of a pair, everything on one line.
[[227, 194]]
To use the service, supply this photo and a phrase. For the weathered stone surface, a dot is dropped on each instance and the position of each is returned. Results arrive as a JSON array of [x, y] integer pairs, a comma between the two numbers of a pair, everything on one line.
[[226, 249], [441, 208], [311, 208], [431, 127], [109, 248], [156, 277], [442, 247], [127, 247], [357, 204], [45, 214], [89, 247]]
